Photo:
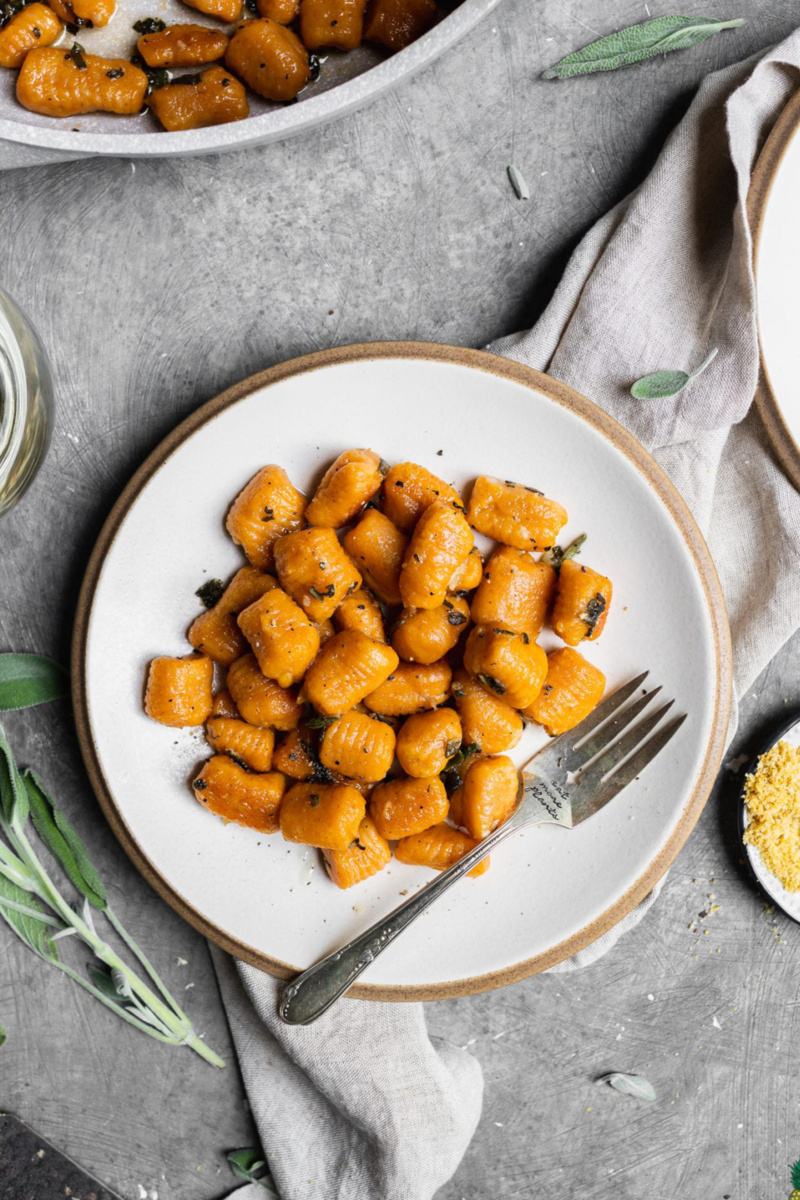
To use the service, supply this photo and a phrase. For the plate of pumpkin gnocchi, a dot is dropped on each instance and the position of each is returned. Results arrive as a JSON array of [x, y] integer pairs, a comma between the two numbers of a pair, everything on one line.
[[320, 634]]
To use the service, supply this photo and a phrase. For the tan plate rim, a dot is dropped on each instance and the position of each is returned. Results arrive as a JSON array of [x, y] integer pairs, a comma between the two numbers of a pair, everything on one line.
[[553, 390], [764, 176]]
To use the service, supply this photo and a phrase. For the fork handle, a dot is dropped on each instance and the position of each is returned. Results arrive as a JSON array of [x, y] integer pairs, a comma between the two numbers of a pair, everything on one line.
[[313, 992]]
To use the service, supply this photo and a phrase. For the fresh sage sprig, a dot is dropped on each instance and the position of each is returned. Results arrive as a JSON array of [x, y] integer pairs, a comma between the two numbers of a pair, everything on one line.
[[637, 43], [662, 384], [35, 910], [29, 679], [249, 1165]]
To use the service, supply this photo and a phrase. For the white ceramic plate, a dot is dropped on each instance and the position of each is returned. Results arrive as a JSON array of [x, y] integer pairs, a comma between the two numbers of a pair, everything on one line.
[[346, 82], [459, 413], [773, 205]]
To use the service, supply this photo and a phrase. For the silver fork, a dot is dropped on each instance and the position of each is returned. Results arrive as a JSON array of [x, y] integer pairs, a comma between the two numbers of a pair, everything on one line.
[[567, 781]]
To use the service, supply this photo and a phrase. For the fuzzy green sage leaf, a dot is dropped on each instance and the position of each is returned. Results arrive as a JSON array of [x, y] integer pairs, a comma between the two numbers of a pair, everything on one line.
[[29, 679], [61, 839], [631, 1085], [26, 916], [321, 722], [555, 556], [662, 384], [2, 1033], [13, 796], [637, 43], [247, 1165]]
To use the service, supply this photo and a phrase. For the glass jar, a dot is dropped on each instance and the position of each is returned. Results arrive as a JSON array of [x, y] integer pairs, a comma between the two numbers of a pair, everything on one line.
[[26, 402]]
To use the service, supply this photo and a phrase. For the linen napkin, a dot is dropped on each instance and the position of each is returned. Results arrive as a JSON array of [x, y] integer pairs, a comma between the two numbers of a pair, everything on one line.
[[662, 279]]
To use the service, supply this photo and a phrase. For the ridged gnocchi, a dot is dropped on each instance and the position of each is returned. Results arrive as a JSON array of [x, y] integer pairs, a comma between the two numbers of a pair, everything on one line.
[[276, 48], [362, 677]]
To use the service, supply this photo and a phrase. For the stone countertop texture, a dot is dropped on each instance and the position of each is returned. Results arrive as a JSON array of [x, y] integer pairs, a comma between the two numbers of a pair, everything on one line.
[[157, 284]]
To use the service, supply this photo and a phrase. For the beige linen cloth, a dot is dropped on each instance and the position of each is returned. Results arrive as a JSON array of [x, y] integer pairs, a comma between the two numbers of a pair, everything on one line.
[[662, 279]]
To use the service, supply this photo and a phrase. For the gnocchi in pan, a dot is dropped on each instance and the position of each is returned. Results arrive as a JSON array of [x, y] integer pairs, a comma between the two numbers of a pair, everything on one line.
[[274, 48], [363, 675]]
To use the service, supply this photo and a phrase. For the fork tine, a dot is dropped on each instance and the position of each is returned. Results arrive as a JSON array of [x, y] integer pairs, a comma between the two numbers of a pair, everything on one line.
[[586, 803], [592, 776], [575, 758], [559, 747]]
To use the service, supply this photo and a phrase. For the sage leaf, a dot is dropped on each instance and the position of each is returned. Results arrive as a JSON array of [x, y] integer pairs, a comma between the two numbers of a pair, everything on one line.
[[246, 1165], [61, 839], [29, 679], [637, 43], [321, 722], [493, 684], [13, 796], [631, 1085], [661, 384], [450, 776], [556, 555], [32, 931], [101, 978], [2, 1033]]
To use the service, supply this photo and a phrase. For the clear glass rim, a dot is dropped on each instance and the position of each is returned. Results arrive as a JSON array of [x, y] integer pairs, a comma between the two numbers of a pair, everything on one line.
[[13, 395]]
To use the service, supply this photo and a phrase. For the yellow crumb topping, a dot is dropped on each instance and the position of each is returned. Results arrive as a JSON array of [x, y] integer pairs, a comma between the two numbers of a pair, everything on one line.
[[772, 796]]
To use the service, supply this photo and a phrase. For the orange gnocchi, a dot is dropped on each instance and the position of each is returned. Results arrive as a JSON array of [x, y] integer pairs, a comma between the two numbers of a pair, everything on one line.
[[281, 636], [34, 25], [266, 509], [276, 48], [440, 543], [378, 547], [216, 632], [349, 667], [315, 571], [179, 690], [352, 480], [363, 677], [510, 664], [515, 515]]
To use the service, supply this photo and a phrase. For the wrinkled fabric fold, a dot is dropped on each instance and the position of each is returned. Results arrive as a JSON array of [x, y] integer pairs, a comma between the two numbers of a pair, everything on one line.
[[357, 1106]]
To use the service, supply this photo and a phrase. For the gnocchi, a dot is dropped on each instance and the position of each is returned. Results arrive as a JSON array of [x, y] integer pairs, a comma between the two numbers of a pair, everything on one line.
[[214, 97], [66, 83], [372, 672], [269, 46]]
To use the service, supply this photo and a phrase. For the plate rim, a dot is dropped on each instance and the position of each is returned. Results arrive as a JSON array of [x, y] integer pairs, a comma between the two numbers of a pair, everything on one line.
[[555, 391], [765, 173]]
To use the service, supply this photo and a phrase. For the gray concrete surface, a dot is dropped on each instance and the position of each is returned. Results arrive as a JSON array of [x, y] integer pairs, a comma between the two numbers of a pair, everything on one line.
[[156, 285]]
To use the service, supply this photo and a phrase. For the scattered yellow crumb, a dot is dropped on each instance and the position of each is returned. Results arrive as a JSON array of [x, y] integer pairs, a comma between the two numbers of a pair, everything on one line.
[[772, 796]]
